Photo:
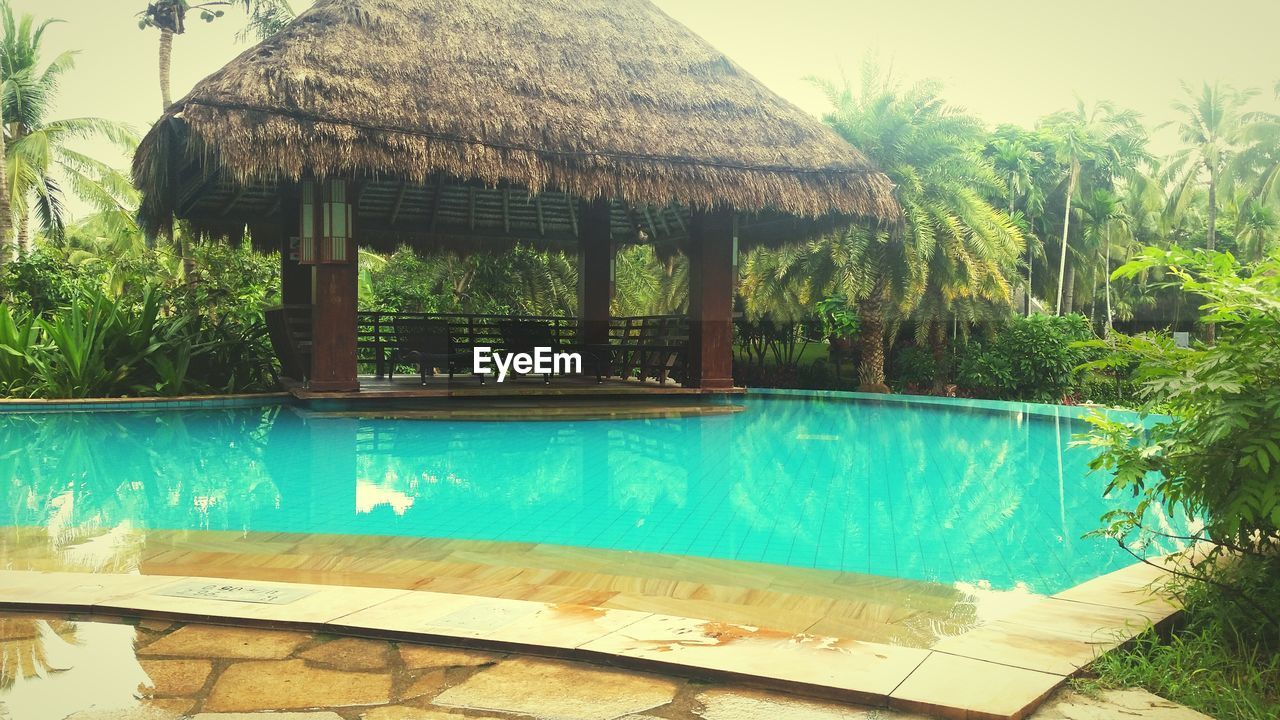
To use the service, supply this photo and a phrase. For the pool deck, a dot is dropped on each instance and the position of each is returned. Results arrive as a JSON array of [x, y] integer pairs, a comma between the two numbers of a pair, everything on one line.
[[373, 389], [1002, 668]]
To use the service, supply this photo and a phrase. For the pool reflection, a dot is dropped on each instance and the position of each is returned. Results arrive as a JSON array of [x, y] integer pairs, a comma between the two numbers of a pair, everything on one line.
[[987, 498]]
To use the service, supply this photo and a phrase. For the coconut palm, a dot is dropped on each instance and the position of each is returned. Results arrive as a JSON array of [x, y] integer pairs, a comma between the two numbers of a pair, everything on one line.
[[1104, 222], [1257, 226], [1097, 144], [1210, 129], [266, 17], [40, 161], [1020, 163], [1256, 166]]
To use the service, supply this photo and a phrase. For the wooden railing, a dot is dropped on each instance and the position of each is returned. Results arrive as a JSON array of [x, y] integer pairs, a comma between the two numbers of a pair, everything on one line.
[[650, 346]]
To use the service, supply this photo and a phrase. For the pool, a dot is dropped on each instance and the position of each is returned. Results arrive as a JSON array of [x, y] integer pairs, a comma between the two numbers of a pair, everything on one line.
[[989, 494]]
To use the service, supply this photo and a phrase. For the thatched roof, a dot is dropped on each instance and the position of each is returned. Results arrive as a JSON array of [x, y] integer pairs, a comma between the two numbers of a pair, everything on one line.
[[591, 98]]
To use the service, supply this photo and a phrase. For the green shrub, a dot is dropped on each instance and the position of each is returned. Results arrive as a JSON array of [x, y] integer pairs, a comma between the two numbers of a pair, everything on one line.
[[1032, 358], [41, 282], [1218, 457], [912, 368], [130, 328]]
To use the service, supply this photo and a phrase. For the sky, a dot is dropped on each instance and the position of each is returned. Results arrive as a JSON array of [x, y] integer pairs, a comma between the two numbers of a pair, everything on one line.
[[1006, 61]]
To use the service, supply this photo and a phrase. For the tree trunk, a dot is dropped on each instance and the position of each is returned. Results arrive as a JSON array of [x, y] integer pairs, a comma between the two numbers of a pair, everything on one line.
[[938, 346], [24, 235], [1211, 242], [1069, 291], [1066, 228], [166, 58], [5, 217], [1030, 261], [871, 340], [1107, 279]]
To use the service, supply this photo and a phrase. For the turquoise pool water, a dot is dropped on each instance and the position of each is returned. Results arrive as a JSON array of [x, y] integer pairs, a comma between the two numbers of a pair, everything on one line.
[[940, 492]]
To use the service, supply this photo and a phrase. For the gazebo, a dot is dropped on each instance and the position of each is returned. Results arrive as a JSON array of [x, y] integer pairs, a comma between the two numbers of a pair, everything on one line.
[[475, 124]]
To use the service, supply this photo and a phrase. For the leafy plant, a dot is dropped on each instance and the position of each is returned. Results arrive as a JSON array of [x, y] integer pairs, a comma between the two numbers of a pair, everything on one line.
[[1218, 457], [17, 339], [1033, 358]]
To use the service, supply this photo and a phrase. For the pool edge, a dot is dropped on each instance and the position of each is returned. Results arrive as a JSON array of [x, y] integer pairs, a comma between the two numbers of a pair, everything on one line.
[[952, 683]]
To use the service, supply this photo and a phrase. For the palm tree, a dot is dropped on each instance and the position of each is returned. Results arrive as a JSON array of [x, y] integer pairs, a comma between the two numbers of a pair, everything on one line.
[[1104, 143], [1257, 164], [1018, 164], [1257, 225], [266, 17], [39, 159], [952, 245], [6, 220], [1210, 130], [1101, 213]]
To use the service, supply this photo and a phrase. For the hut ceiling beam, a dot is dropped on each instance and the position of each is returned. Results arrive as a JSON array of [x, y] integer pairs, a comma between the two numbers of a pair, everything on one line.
[[648, 218], [395, 208], [226, 209]]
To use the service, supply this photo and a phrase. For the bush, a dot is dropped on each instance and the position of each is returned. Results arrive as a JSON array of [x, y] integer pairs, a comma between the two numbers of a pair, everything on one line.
[[912, 368], [1033, 359], [127, 327], [1218, 457], [42, 282]]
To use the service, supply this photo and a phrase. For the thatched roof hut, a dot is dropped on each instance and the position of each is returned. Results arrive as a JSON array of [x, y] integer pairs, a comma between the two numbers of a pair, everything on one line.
[[492, 118]]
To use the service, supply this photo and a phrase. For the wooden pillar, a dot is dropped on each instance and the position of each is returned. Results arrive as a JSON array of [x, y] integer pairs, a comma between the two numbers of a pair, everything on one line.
[[295, 279], [334, 289], [711, 276], [333, 328], [595, 271]]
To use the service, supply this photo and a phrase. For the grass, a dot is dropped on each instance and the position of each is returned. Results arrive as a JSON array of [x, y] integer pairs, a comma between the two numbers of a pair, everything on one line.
[[1224, 661]]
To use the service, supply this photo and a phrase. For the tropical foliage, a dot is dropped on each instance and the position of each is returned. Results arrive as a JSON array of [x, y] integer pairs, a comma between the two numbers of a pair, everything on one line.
[[1212, 453]]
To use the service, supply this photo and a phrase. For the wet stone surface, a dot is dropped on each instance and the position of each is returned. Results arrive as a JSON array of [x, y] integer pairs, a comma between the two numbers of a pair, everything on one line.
[[58, 668]]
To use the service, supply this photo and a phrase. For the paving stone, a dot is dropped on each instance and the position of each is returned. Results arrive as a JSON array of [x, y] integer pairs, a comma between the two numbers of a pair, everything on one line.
[[351, 654], [405, 712], [417, 657], [725, 704], [556, 690], [155, 625], [137, 713], [210, 641], [429, 684], [180, 706], [293, 685], [320, 715], [176, 677], [1130, 704]]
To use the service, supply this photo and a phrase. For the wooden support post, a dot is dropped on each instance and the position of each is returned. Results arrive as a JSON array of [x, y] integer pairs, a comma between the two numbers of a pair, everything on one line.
[[333, 323], [595, 265], [333, 328], [711, 276]]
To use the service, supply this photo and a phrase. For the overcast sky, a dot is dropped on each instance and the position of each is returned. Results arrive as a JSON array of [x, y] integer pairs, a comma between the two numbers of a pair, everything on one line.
[[1004, 60]]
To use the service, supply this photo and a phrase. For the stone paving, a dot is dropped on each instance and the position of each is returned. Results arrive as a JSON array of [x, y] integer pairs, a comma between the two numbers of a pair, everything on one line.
[[60, 669]]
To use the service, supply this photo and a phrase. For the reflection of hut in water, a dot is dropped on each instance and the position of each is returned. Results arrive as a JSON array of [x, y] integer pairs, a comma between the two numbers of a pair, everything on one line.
[[24, 648]]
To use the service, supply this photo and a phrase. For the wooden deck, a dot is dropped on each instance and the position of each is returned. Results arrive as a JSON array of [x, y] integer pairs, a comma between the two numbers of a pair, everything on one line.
[[466, 386]]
